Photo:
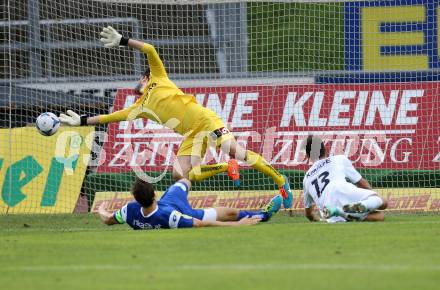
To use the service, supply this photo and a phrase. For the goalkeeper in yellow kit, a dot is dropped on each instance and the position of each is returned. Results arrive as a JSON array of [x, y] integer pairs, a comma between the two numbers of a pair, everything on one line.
[[163, 102]]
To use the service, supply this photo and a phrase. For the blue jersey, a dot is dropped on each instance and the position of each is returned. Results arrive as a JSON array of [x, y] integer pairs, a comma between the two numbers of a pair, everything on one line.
[[173, 211]]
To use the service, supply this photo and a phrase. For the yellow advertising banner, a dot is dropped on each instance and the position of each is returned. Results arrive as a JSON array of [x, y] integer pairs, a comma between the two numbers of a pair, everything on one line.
[[197, 199], [40, 174], [399, 199], [411, 199]]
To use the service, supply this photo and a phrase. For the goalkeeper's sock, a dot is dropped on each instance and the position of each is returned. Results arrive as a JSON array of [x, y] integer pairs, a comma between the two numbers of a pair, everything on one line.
[[372, 203], [199, 173], [257, 162]]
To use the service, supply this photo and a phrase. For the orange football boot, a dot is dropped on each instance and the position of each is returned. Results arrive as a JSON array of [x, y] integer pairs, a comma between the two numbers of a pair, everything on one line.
[[233, 171]]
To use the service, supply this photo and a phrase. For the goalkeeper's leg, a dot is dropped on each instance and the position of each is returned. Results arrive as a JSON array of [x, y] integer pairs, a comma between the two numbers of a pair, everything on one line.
[[256, 161], [197, 145], [188, 167], [193, 148], [188, 163]]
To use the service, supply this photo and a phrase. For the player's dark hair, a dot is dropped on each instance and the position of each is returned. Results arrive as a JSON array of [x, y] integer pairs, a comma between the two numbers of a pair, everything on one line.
[[140, 85], [147, 72], [143, 192], [315, 148]]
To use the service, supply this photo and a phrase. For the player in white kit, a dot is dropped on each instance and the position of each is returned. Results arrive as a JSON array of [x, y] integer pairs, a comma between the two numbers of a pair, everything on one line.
[[325, 185]]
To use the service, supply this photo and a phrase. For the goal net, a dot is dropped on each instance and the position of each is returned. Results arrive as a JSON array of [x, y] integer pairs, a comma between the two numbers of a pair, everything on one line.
[[363, 75]]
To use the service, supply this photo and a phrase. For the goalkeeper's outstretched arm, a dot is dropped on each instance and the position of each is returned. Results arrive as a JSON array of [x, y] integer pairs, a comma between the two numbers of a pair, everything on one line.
[[111, 38], [127, 114]]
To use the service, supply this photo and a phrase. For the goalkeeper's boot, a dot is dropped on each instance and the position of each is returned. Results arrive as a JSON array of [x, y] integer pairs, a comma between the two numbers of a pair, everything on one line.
[[286, 193], [272, 207], [329, 212], [355, 208], [233, 172]]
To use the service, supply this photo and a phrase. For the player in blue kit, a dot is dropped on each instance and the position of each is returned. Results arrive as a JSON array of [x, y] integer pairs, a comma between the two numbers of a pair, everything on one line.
[[174, 211]]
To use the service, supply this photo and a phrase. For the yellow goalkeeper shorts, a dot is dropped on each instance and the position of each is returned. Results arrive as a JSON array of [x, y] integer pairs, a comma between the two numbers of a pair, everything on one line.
[[209, 131]]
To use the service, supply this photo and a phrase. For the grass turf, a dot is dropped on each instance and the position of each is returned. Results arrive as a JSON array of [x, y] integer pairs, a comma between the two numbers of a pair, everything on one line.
[[77, 252]]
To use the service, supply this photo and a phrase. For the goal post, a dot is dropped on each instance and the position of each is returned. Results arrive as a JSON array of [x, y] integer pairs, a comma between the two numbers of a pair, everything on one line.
[[364, 75]]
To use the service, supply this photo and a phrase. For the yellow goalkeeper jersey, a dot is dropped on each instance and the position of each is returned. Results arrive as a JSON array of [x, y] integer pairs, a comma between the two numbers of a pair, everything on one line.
[[163, 101]]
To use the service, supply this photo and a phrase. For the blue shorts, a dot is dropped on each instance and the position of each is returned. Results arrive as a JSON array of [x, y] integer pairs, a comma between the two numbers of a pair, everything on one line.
[[176, 197]]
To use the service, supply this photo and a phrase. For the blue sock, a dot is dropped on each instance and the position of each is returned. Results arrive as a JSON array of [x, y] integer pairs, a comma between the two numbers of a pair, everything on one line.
[[245, 213]]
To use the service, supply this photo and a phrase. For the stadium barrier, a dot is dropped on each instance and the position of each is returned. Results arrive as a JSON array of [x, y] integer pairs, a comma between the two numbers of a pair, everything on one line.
[[417, 181], [399, 199]]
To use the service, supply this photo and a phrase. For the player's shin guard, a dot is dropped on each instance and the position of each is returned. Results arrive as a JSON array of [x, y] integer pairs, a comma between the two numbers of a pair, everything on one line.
[[245, 213], [202, 172], [257, 162], [267, 212], [372, 203]]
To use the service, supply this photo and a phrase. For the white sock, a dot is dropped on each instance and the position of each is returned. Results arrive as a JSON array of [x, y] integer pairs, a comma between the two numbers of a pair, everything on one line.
[[352, 216], [372, 202]]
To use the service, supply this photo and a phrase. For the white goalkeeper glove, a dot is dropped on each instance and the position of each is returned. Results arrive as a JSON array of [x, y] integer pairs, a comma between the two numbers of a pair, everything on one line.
[[112, 38], [72, 119]]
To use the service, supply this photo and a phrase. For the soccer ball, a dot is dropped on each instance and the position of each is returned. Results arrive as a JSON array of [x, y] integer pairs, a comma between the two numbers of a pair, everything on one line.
[[48, 124]]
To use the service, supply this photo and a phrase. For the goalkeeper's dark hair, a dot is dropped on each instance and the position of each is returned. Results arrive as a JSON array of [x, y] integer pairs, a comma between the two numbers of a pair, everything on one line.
[[143, 192], [315, 148], [141, 83]]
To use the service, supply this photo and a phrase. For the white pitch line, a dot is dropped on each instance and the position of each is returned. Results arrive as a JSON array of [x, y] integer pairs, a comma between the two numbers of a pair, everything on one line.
[[233, 267]]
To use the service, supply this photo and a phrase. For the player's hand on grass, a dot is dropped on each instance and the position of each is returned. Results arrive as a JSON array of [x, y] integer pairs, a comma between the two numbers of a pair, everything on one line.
[[110, 37], [71, 119], [247, 221], [103, 206]]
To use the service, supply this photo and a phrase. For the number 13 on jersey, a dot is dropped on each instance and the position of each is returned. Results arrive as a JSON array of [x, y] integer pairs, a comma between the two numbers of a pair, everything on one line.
[[321, 183]]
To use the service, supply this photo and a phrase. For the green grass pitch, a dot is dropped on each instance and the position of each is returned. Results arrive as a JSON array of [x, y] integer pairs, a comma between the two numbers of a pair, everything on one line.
[[77, 252]]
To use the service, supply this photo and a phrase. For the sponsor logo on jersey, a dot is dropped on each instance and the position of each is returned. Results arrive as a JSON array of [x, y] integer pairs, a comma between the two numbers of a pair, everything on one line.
[[145, 226], [214, 135]]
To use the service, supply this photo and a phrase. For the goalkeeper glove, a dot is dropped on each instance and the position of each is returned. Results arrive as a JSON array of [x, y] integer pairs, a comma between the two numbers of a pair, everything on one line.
[[112, 38], [73, 119]]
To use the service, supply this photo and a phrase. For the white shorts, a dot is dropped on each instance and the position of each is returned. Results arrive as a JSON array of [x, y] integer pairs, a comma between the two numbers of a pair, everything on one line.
[[210, 214], [345, 193]]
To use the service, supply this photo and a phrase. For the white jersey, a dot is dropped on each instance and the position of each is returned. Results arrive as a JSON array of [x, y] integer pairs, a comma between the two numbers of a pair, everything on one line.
[[325, 183]]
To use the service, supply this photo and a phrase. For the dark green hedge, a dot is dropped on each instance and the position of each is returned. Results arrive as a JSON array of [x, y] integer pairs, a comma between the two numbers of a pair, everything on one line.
[[295, 36]]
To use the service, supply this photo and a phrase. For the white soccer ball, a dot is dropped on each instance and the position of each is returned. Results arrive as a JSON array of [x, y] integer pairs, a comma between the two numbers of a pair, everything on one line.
[[48, 124]]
